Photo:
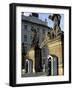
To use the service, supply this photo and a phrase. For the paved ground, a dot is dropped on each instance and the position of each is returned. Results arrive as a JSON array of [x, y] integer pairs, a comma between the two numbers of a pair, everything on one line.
[[34, 74]]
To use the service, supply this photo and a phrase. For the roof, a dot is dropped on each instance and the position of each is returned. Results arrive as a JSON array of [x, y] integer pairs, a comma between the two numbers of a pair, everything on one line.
[[33, 19]]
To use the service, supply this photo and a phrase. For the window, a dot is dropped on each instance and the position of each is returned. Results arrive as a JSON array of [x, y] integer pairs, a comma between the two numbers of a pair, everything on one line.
[[25, 49], [38, 30], [31, 37], [25, 27], [32, 28], [25, 38], [43, 31]]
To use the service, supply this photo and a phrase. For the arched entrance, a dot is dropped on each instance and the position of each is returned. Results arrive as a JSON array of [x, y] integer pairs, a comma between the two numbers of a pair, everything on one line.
[[38, 59], [28, 66], [52, 65]]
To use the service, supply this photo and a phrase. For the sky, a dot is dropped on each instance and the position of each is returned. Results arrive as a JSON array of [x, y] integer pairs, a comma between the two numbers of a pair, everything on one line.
[[44, 16]]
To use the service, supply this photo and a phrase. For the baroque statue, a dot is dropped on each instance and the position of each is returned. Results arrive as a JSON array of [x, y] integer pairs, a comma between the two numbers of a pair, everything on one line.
[[56, 30]]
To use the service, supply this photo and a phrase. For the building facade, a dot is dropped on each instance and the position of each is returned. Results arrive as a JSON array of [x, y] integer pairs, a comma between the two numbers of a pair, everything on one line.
[[42, 47], [29, 24]]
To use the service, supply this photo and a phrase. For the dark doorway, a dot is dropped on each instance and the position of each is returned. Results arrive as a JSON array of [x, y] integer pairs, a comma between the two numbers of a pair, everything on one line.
[[26, 65], [38, 59], [49, 66]]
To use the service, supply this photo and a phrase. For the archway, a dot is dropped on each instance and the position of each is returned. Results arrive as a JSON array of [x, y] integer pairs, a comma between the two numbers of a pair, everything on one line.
[[28, 66], [38, 59], [52, 65]]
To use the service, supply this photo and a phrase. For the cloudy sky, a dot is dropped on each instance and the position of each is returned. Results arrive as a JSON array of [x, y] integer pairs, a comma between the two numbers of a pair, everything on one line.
[[44, 16]]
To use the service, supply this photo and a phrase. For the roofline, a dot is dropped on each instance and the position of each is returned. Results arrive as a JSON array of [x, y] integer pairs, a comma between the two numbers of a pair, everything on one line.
[[36, 23]]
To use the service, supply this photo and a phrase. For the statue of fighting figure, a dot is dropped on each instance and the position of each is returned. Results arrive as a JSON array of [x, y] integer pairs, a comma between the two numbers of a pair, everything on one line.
[[37, 49], [35, 38], [56, 30]]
